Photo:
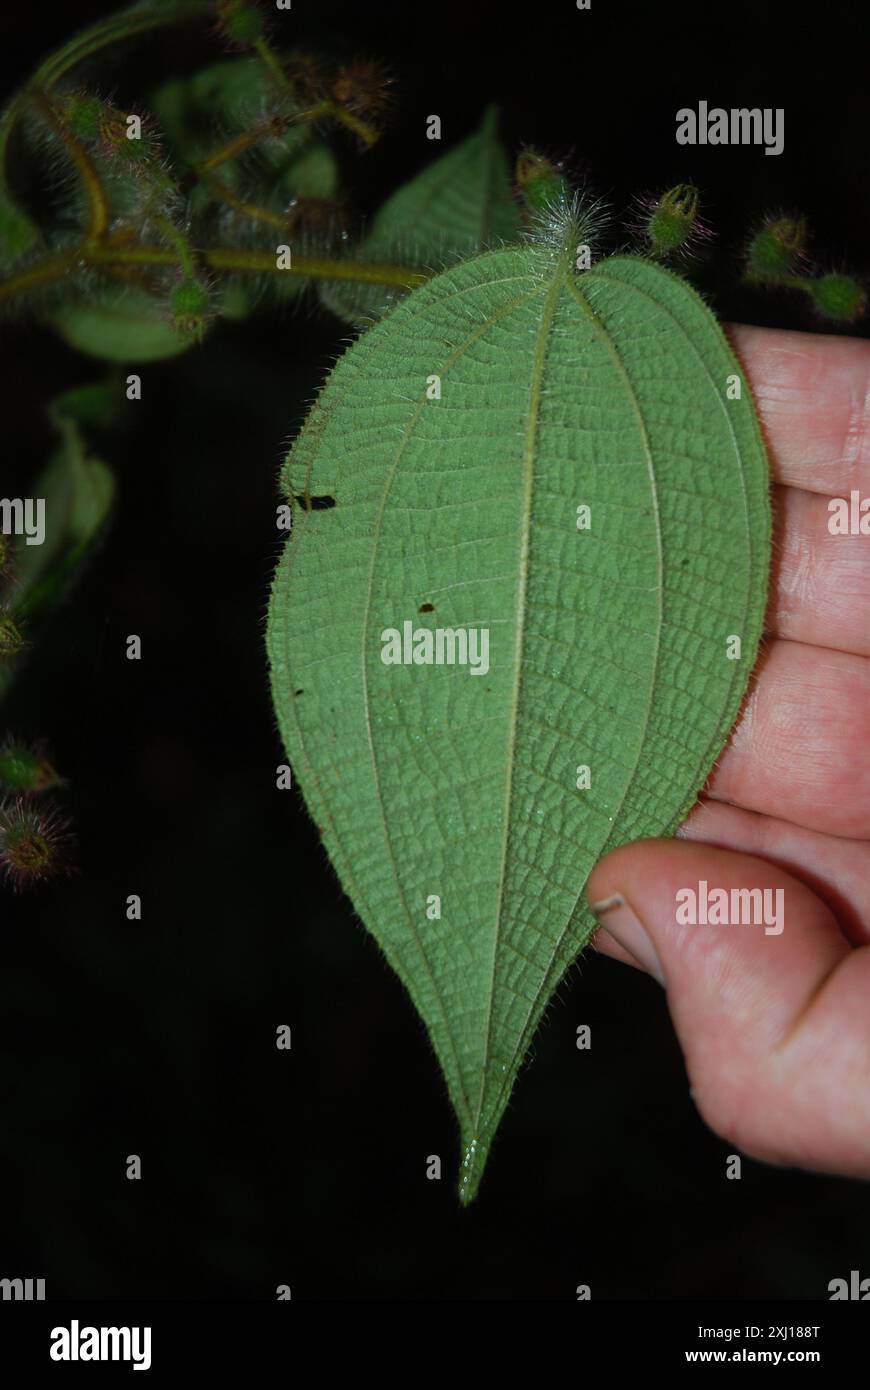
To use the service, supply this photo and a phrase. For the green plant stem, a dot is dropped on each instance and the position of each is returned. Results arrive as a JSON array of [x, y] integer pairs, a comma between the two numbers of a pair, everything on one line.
[[40, 273], [318, 268], [271, 63], [217, 258], [248, 139], [98, 209], [185, 252], [787, 282], [366, 132], [246, 208]]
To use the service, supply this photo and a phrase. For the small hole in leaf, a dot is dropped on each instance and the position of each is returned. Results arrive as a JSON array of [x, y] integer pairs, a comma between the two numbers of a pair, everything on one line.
[[426, 608], [298, 692], [314, 504]]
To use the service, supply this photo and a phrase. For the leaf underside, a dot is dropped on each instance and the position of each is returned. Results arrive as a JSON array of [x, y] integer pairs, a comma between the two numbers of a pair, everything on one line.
[[608, 646]]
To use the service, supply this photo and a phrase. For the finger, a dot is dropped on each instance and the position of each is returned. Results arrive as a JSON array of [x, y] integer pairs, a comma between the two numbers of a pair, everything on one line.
[[774, 1028], [836, 870], [798, 750], [820, 592], [813, 395]]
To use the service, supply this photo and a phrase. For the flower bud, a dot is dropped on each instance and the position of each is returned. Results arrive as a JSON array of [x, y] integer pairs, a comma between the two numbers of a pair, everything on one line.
[[34, 842], [839, 297], [25, 769], [673, 219], [539, 181], [777, 248], [11, 640], [188, 303], [239, 22]]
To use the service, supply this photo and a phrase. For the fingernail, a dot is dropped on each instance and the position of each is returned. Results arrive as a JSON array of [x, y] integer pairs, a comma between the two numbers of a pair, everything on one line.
[[620, 922]]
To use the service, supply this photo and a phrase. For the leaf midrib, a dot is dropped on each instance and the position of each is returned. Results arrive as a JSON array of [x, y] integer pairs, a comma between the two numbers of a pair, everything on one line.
[[542, 342], [566, 280]]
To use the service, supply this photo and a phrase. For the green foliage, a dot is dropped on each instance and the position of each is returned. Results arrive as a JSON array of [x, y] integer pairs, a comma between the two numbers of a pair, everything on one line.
[[455, 207], [79, 491], [236, 159], [608, 645], [123, 325], [18, 234]]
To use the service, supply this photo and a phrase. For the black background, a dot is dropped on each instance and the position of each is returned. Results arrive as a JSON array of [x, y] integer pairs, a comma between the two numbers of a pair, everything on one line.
[[157, 1038]]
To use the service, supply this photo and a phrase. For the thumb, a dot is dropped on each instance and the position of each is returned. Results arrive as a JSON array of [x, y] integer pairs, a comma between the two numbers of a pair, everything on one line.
[[768, 998]]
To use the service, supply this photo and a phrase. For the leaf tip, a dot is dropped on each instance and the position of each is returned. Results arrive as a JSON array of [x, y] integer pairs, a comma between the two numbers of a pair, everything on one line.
[[474, 1156]]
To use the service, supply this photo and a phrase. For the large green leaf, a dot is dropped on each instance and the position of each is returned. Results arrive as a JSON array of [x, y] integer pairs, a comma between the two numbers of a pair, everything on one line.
[[458, 205], [610, 647]]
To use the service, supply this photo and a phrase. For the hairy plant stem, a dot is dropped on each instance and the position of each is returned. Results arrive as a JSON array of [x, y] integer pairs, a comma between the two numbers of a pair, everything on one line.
[[244, 206], [218, 258], [98, 208], [787, 282], [247, 139], [276, 125], [271, 63]]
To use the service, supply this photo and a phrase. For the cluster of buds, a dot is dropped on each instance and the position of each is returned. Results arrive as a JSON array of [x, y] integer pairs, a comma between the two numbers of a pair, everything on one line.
[[120, 136], [777, 255], [35, 838]]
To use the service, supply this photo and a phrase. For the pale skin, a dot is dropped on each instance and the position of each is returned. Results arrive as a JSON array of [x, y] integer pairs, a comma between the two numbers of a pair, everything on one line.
[[775, 1029]]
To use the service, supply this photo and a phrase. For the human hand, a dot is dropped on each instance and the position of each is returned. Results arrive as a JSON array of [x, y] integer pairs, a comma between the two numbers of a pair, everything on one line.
[[775, 1025]]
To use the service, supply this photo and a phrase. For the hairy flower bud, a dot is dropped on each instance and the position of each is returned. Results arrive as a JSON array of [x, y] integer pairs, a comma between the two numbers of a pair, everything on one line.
[[839, 297], [25, 769], [777, 248], [673, 219], [35, 842], [189, 303], [11, 640], [539, 181], [239, 23]]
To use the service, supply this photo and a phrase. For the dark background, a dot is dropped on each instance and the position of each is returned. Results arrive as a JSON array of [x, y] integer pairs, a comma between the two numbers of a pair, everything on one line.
[[157, 1037]]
